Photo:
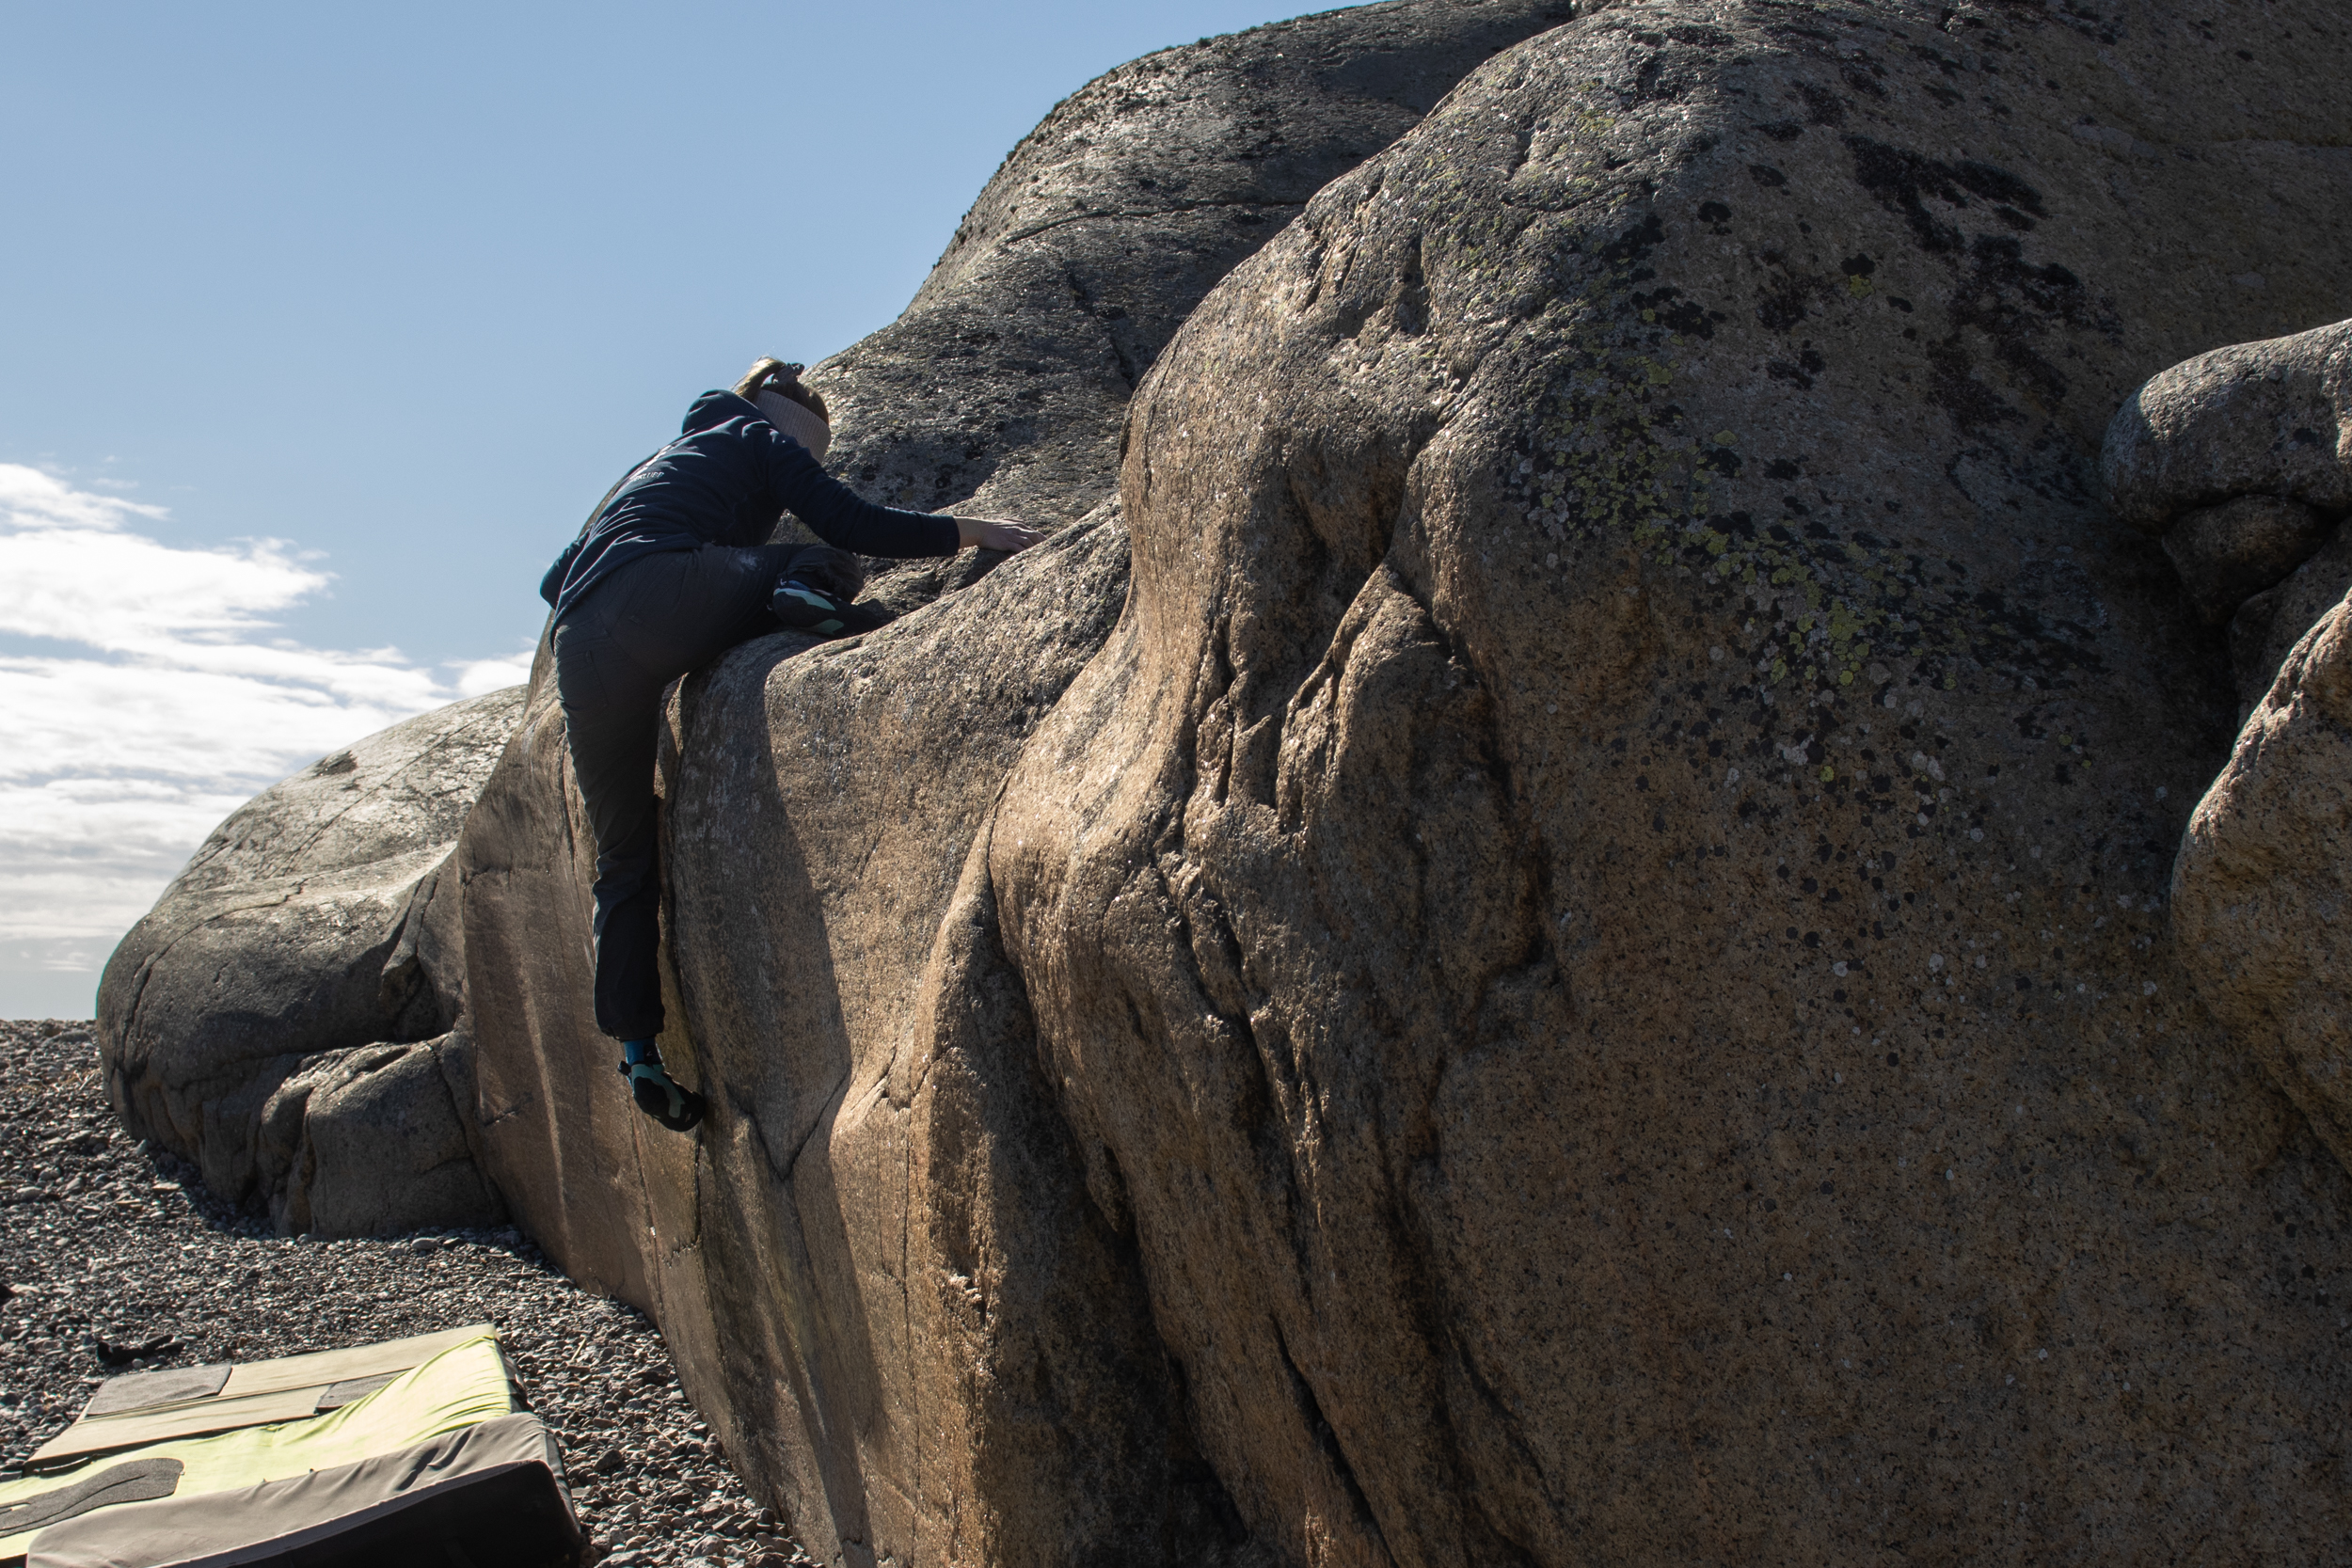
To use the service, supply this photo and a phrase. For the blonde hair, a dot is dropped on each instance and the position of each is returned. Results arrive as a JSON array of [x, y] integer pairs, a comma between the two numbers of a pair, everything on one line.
[[777, 375]]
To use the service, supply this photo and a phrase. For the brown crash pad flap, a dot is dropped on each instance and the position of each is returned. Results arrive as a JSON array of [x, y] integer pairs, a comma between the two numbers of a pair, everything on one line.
[[253, 1394], [324, 1367], [490, 1491], [352, 1391], [145, 1390]]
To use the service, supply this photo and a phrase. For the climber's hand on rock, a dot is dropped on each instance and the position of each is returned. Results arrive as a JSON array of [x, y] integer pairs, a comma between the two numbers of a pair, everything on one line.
[[993, 534]]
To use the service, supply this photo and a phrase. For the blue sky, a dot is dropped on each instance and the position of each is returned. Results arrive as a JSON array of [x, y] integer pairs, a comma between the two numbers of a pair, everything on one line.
[[326, 324]]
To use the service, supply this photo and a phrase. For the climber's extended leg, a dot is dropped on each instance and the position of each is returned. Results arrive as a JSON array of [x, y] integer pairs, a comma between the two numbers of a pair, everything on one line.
[[616, 653]]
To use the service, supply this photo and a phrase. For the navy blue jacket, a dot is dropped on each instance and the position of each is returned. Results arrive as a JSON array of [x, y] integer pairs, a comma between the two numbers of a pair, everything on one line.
[[724, 480]]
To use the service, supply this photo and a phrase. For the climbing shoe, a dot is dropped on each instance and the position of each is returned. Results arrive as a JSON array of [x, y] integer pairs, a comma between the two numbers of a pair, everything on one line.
[[658, 1094], [801, 607]]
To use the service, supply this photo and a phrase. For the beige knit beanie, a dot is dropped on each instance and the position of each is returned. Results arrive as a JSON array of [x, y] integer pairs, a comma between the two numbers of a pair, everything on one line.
[[795, 421]]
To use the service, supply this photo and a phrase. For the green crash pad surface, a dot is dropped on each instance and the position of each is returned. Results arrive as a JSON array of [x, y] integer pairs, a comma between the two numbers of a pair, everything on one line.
[[463, 1385]]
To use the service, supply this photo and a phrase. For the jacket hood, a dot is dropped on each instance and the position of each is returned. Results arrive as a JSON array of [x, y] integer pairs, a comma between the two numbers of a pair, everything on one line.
[[716, 409]]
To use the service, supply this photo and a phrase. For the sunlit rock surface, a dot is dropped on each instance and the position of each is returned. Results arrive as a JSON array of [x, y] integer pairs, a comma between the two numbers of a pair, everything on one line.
[[880, 1261]]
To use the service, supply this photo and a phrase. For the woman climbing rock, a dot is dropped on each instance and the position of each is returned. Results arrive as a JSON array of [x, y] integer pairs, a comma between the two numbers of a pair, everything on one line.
[[673, 569]]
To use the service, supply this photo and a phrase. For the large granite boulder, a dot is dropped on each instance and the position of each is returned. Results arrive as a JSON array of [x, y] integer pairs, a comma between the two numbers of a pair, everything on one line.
[[878, 1266], [1547, 939], [289, 1016], [1602, 914], [1586, 971]]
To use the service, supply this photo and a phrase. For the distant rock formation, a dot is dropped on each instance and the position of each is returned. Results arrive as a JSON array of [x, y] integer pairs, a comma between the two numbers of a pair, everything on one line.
[[1563, 931], [289, 1015]]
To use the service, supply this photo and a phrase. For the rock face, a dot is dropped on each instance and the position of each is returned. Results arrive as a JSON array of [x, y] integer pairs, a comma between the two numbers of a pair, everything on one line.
[[2270, 418], [1601, 916], [1002, 388], [2266, 627], [2241, 461], [1548, 941], [289, 1015], [1584, 971], [880, 1267]]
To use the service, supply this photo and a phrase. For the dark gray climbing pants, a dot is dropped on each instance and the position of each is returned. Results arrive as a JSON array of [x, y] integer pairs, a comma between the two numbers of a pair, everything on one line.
[[616, 652]]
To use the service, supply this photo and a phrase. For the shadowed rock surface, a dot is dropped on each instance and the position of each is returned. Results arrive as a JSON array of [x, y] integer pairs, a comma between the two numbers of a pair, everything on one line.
[[2267, 627], [2241, 459], [288, 1015], [2259, 889], [2227, 554]]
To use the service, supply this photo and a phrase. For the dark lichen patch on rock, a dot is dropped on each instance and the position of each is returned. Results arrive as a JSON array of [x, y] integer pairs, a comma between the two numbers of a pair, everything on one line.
[[1903, 182]]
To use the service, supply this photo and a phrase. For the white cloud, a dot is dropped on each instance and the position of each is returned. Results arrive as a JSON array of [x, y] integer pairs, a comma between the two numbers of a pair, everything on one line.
[[492, 674], [171, 703]]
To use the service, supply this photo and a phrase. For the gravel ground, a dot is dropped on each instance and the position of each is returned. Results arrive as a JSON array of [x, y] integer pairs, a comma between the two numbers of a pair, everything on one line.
[[107, 1250]]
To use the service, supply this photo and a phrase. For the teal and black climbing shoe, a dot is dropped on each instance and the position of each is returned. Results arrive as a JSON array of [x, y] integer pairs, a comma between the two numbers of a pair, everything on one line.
[[801, 607], [658, 1094]]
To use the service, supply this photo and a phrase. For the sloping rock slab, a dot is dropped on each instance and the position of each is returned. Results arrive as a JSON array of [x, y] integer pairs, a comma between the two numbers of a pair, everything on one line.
[[318, 919], [879, 1265], [841, 1256]]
